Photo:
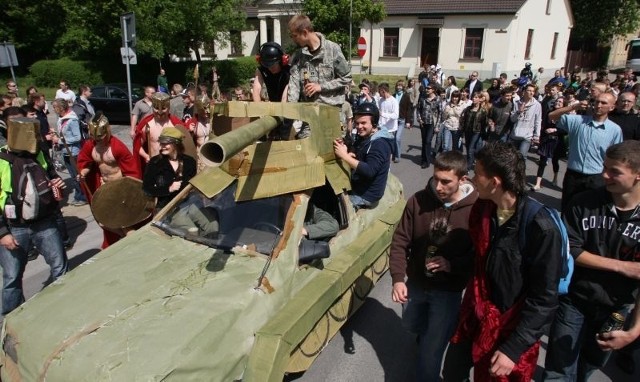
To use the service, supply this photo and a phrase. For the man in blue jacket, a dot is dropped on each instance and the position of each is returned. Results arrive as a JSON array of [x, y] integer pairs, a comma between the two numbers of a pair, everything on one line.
[[371, 157]]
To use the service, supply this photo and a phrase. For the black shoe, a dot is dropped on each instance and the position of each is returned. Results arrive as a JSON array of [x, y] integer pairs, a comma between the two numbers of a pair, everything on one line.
[[68, 244], [424, 165], [32, 254]]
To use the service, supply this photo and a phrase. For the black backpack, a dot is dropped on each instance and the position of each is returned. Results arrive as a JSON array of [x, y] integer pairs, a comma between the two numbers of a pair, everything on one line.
[[31, 194], [84, 117]]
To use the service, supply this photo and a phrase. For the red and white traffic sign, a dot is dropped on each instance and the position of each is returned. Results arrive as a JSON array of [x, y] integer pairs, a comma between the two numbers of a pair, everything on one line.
[[362, 46]]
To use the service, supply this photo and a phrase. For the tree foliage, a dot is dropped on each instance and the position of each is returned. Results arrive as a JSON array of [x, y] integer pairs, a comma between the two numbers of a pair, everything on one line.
[[604, 19], [332, 17], [91, 29]]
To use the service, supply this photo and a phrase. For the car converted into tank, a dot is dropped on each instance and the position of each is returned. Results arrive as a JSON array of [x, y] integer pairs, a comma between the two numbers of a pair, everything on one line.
[[221, 285]]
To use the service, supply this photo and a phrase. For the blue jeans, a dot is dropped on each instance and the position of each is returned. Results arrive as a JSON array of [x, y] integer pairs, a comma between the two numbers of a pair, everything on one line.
[[398, 135], [45, 236], [573, 353], [78, 195], [446, 139], [474, 144], [432, 315], [456, 140], [522, 145], [358, 202]]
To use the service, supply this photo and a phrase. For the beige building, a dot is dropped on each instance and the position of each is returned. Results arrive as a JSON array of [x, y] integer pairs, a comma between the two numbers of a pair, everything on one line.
[[461, 35]]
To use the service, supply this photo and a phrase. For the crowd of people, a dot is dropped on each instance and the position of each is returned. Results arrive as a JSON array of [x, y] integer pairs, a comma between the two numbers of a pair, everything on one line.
[[468, 280], [477, 263]]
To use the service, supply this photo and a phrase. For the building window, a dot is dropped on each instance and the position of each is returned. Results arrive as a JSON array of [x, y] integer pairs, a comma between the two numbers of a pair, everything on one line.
[[473, 43], [235, 43], [548, 7], [527, 49], [391, 39], [553, 46]]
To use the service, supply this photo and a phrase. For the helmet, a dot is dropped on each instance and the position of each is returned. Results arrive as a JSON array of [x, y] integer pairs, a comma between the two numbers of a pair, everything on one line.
[[99, 127], [270, 53], [160, 100], [368, 108], [201, 106], [528, 65]]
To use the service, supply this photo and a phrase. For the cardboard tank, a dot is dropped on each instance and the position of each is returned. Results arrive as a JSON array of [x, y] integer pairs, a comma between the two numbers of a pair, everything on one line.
[[214, 288]]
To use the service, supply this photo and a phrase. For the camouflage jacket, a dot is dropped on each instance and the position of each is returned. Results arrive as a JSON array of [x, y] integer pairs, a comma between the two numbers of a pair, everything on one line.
[[327, 67]]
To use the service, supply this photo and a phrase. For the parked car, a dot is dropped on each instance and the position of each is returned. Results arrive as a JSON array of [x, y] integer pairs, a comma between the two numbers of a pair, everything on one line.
[[221, 285], [113, 101]]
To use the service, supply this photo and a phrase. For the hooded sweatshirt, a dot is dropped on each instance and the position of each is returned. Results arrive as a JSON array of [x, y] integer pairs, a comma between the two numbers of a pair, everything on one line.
[[413, 236], [369, 178]]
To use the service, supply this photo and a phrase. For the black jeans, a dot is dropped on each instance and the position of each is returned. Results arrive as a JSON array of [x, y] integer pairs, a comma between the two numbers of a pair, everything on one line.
[[575, 182], [426, 132]]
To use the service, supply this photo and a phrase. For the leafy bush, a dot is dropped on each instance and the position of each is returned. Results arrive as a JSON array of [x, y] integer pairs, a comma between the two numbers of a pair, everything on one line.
[[50, 72]]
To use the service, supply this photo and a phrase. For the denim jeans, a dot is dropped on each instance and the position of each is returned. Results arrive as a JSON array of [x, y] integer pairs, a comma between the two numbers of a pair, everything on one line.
[[573, 353], [474, 144], [398, 135], [358, 202], [426, 133], [522, 145], [73, 173], [456, 140], [432, 315], [45, 236], [446, 139]]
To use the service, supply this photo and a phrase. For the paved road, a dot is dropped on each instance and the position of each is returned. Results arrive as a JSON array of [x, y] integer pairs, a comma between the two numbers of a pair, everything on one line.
[[383, 350]]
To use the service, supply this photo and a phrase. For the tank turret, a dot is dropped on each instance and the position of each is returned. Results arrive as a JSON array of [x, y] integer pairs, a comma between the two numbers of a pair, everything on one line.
[[219, 149]]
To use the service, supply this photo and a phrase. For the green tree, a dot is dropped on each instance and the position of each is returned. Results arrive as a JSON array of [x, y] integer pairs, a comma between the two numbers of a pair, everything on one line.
[[332, 17], [32, 26], [91, 29], [604, 19]]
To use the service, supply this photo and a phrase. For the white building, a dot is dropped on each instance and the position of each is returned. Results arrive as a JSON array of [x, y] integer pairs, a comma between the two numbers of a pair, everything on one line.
[[461, 35]]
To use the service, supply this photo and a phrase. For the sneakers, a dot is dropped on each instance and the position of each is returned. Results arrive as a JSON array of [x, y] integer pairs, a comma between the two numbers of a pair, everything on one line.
[[32, 254], [78, 203]]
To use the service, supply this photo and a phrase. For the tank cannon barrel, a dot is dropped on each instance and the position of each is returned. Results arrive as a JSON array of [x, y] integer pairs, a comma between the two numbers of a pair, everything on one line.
[[219, 149]]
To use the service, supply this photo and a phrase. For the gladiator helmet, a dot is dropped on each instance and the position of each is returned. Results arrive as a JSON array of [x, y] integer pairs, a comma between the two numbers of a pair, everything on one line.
[[202, 105], [99, 127], [160, 102], [368, 108]]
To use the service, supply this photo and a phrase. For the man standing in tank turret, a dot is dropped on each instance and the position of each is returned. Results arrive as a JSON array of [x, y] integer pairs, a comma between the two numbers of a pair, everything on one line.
[[319, 71], [272, 75]]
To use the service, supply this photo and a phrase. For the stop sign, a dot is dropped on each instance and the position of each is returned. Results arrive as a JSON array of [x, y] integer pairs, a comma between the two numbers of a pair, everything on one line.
[[362, 46]]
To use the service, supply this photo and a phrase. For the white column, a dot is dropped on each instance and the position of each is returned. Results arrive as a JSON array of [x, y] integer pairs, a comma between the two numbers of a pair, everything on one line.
[[263, 30], [277, 37]]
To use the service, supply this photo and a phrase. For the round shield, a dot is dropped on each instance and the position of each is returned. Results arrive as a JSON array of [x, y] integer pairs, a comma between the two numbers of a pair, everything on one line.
[[121, 203]]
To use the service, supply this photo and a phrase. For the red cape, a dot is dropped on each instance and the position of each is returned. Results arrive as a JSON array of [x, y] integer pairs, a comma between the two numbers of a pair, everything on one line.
[[139, 139], [125, 161], [480, 320]]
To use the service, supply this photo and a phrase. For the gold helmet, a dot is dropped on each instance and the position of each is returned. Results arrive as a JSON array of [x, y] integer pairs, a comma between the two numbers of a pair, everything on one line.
[[99, 127], [201, 106], [23, 135], [160, 101]]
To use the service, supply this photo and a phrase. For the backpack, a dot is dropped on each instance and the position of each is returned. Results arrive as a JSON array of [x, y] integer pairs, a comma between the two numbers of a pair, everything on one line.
[[31, 193], [531, 208], [84, 117]]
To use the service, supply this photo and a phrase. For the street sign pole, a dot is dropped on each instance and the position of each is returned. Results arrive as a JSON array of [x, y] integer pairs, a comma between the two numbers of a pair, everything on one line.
[[128, 65], [9, 56], [128, 22]]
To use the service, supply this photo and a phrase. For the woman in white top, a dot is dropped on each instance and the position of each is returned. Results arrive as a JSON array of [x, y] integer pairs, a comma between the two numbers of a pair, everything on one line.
[[451, 123], [450, 88]]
